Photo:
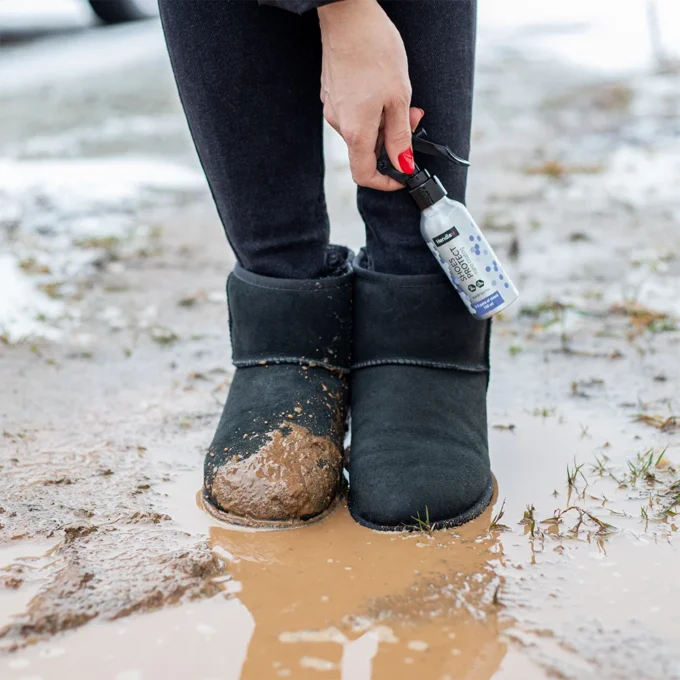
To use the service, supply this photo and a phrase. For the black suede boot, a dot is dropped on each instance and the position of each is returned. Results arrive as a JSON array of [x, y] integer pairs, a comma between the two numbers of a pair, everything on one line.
[[419, 379], [277, 454]]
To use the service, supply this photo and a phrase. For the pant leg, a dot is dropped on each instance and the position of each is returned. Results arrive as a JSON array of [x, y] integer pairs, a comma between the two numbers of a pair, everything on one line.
[[439, 36], [248, 77]]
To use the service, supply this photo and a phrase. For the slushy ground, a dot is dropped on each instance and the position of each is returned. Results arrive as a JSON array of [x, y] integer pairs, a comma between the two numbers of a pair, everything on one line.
[[114, 365]]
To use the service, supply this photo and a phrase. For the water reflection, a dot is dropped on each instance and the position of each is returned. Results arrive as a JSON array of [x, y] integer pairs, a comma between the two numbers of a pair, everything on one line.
[[357, 604]]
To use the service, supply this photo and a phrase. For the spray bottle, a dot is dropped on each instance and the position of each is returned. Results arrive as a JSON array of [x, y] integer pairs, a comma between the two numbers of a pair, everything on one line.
[[453, 236]]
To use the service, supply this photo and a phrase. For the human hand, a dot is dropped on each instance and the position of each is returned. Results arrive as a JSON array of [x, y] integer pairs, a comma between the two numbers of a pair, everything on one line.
[[365, 88]]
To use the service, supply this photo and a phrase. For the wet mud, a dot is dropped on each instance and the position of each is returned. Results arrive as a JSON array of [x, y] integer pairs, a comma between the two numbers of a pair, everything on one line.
[[295, 475], [106, 411], [111, 554]]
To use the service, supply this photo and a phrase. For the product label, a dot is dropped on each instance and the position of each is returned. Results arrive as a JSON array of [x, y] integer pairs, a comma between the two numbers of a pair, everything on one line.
[[470, 264], [447, 236], [488, 303], [462, 267]]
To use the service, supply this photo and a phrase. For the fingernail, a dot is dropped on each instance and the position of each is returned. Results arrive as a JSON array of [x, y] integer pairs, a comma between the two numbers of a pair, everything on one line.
[[405, 159]]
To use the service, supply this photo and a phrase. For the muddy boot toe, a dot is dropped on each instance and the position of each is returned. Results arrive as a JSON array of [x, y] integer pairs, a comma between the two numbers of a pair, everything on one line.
[[277, 454]]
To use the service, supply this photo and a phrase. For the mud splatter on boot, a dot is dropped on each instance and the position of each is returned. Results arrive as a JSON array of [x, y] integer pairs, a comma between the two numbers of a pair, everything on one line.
[[295, 474], [277, 454]]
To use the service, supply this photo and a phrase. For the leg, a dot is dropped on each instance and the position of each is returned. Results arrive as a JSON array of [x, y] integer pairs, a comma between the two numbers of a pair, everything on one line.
[[420, 360], [248, 78], [439, 36]]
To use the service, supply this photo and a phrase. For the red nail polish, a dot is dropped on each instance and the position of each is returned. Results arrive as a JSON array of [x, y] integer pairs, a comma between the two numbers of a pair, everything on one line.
[[406, 161]]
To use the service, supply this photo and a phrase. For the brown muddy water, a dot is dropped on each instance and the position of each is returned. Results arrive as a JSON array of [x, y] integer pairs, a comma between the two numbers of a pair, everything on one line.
[[508, 597], [109, 569]]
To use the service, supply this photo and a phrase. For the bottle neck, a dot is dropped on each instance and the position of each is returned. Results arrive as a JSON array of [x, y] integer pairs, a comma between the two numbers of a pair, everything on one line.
[[425, 190]]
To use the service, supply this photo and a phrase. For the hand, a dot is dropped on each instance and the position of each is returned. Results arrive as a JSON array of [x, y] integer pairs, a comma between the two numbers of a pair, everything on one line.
[[365, 88]]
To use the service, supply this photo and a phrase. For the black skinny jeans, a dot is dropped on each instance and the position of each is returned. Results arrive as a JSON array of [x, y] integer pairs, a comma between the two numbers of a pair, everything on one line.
[[249, 81]]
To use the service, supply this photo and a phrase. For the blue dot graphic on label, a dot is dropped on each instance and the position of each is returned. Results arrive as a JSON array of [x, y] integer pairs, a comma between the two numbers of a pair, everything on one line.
[[494, 282], [472, 238], [501, 277], [488, 269], [507, 285], [479, 238]]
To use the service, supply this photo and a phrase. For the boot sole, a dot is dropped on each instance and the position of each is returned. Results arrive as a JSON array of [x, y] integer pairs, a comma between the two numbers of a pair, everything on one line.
[[263, 524], [471, 513]]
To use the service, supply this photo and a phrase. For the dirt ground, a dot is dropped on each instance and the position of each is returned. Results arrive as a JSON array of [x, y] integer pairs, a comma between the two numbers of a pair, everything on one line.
[[114, 365]]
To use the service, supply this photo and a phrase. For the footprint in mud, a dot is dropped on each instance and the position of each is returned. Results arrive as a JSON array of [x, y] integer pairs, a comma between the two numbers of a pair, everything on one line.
[[337, 597]]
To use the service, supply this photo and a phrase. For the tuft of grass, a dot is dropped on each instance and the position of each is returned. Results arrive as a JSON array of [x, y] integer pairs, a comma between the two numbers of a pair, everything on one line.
[[104, 242], [496, 519], [543, 412], [31, 266], [556, 170], [599, 467], [665, 424], [493, 222], [529, 519], [583, 516], [643, 318], [573, 473], [423, 525], [52, 289], [643, 466], [162, 335], [537, 310]]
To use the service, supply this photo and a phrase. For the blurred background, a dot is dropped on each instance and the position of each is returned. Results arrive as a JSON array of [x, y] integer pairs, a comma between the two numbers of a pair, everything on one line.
[[91, 132], [114, 364]]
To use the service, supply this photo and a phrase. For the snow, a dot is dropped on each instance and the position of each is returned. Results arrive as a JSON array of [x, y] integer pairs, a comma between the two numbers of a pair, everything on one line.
[[52, 196], [55, 205], [609, 36], [23, 308], [86, 197], [103, 50]]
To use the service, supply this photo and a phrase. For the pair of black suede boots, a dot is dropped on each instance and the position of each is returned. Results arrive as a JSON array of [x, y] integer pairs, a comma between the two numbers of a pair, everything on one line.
[[402, 351]]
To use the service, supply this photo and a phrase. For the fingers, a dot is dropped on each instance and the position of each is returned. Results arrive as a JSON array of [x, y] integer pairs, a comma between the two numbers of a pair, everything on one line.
[[415, 115], [361, 143], [398, 135], [364, 142]]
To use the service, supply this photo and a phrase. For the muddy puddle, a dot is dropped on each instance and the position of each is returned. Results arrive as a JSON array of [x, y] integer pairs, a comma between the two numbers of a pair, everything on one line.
[[576, 578]]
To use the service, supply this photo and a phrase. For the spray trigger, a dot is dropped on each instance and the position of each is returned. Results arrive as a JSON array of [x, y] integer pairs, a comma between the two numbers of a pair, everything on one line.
[[422, 145], [433, 149]]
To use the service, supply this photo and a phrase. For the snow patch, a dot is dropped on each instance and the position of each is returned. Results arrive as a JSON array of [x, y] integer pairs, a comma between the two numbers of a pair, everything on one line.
[[50, 214], [85, 198], [24, 310], [606, 35]]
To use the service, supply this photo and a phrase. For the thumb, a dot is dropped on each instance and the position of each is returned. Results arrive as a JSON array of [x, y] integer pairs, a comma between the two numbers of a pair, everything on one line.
[[398, 137]]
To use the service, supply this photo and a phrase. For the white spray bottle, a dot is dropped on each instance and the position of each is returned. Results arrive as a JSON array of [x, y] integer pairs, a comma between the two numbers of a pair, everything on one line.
[[453, 236]]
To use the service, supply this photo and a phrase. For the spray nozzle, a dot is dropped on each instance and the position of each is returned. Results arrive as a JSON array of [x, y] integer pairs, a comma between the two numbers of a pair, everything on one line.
[[423, 145], [425, 189]]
